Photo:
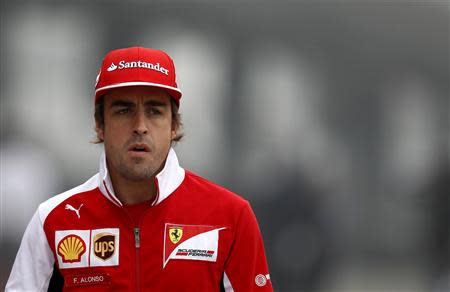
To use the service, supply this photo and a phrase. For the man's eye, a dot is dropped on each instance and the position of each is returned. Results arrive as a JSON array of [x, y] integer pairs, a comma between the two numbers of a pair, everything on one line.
[[154, 111], [123, 111]]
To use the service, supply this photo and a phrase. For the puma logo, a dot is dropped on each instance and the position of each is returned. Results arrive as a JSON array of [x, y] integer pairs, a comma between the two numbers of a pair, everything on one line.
[[71, 208]]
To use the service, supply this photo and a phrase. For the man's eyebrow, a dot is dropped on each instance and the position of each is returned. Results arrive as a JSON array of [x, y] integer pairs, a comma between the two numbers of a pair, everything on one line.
[[120, 102], [156, 103]]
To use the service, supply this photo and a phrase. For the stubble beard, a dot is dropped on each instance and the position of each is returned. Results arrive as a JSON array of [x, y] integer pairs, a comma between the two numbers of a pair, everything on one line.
[[136, 172], [136, 168]]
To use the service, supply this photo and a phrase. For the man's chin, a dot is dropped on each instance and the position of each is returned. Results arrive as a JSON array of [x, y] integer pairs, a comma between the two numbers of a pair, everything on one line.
[[138, 176], [136, 170]]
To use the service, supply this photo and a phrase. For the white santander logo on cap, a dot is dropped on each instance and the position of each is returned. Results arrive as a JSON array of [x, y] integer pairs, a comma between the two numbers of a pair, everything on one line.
[[112, 67], [138, 64]]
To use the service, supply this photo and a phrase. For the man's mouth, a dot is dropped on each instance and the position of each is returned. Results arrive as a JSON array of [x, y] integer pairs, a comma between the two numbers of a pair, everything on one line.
[[139, 148]]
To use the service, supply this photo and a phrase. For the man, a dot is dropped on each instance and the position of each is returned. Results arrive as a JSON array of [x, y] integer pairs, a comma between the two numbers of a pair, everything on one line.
[[142, 223]]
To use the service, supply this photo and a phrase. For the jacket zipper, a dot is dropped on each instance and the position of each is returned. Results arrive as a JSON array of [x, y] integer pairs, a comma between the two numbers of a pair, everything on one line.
[[137, 241], [137, 244]]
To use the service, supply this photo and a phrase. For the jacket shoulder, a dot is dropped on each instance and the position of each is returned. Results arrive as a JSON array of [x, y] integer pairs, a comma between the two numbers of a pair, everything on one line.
[[47, 206], [205, 187]]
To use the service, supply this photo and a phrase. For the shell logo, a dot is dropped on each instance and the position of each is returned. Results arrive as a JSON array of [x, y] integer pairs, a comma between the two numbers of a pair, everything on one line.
[[71, 248]]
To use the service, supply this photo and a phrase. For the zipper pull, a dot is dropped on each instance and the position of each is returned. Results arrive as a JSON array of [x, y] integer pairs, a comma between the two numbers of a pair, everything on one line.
[[137, 237]]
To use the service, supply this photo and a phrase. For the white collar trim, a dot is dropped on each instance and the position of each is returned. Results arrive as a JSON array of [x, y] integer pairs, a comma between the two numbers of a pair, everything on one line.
[[168, 179]]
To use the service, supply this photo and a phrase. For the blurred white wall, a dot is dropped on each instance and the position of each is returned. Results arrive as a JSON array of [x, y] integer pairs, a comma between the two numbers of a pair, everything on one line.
[[48, 108]]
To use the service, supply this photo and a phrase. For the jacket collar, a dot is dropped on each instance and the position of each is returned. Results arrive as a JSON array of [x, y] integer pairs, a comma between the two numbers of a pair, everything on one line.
[[167, 180]]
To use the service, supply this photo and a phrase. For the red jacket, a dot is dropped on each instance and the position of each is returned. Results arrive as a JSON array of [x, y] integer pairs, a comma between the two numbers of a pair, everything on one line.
[[196, 236]]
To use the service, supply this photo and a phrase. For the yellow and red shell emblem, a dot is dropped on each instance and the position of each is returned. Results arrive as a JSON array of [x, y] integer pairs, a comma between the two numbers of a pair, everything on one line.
[[71, 248]]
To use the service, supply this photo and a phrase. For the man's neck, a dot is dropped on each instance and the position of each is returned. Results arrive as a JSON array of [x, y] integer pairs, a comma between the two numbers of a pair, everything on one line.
[[133, 192]]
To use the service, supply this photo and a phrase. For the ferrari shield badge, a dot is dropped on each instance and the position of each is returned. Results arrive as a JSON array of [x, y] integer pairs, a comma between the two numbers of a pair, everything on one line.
[[175, 234]]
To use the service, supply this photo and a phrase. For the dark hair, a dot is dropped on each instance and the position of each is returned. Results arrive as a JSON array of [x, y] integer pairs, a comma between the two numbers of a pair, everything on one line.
[[99, 116]]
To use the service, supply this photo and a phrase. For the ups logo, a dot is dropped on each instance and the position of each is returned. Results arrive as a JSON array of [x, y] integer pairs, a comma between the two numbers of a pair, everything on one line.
[[104, 245]]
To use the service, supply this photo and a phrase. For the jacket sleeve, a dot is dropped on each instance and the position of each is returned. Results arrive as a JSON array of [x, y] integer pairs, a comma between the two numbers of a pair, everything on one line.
[[34, 262], [246, 267]]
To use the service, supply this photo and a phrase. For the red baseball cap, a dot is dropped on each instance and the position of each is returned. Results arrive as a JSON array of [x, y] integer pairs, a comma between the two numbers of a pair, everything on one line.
[[137, 66]]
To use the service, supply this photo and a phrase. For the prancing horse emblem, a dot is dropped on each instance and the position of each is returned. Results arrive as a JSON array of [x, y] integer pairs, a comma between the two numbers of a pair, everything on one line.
[[175, 234]]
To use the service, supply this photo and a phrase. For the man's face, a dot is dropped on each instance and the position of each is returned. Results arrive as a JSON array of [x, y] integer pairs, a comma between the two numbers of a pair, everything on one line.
[[137, 131]]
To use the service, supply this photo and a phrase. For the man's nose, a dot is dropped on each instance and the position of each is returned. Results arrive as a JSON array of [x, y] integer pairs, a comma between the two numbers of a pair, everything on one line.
[[140, 125]]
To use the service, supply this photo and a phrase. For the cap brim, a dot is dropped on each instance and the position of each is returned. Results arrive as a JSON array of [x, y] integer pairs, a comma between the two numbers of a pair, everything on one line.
[[174, 92]]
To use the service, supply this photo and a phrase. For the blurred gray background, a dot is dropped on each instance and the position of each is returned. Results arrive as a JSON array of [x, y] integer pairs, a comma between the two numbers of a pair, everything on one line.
[[330, 117]]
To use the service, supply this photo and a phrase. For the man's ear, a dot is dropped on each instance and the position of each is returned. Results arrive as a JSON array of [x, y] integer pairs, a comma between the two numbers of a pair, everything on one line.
[[173, 132], [174, 129], [100, 129]]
